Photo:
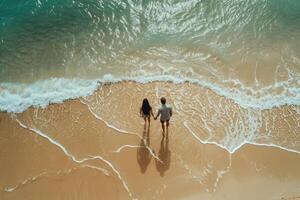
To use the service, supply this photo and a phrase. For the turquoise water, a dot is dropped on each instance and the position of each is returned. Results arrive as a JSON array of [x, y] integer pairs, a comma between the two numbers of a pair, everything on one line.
[[236, 47], [47, 38], [243, 58]]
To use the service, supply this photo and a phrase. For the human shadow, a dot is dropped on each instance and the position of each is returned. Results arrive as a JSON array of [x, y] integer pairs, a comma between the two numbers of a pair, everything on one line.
[[143, 154], [164, 155]]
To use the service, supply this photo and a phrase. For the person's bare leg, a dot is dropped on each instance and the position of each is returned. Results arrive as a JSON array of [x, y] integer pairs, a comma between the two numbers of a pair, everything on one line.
[[145, 123], [149, 121], [148, 131], [163, 128], [167, 126]]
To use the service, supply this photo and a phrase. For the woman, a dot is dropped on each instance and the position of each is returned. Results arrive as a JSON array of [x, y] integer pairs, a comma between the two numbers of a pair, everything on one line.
[[146, 110]]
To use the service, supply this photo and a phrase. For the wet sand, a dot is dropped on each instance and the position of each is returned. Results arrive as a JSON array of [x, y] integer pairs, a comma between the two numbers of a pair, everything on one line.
[[97, 147]]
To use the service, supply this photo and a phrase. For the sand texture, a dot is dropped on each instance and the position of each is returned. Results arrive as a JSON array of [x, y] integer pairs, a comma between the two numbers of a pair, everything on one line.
[[97, 147]]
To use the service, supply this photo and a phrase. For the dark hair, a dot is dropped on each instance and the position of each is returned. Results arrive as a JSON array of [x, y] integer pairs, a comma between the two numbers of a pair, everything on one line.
[[146, 105], [163, 100]]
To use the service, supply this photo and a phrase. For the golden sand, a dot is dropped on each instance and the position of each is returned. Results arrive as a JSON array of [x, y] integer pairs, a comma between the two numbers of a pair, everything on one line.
[[98, 148]]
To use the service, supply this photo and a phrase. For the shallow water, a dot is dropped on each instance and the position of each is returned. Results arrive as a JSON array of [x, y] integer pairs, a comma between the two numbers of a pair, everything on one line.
[[213, 147], [230, 69], [244, 50]]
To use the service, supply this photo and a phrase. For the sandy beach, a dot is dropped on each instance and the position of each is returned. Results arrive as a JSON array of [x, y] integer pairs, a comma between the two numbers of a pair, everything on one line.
[[74, 74], [97, 147]]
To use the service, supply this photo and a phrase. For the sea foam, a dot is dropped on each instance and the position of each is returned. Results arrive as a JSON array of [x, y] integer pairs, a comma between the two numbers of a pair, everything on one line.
[[17, 97]]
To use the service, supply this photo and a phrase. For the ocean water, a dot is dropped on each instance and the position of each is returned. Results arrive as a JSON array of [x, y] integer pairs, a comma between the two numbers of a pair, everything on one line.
[[246, 51]]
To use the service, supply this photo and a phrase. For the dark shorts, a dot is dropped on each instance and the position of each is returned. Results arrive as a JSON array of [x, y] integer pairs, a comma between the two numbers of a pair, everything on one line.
[[164, 121], [146, 116]]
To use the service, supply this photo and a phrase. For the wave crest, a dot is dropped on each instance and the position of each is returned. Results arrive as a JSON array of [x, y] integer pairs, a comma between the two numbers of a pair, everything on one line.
[[16, 97]]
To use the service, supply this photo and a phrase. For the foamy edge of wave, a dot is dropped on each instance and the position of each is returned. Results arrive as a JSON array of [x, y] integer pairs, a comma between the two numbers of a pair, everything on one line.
[[17, 97], [237, 147]]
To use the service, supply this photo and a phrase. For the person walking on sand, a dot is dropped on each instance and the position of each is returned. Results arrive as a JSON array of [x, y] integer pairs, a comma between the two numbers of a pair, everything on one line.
[[165, 113], [146, 110]]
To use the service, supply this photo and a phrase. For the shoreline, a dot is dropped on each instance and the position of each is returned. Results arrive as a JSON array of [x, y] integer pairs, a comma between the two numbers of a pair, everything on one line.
[[40, 162], [246, 97], [130, 82]]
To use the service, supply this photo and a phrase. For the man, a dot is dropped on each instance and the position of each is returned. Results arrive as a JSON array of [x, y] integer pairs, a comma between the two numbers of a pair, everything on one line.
[[165, 113]]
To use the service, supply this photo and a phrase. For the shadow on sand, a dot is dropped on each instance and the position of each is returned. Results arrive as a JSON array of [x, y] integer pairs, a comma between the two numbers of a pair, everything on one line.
[[164, 155], [143, 154]]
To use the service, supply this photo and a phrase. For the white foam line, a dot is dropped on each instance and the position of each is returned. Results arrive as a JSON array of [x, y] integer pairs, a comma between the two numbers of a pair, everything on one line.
[[122, 131], [26, 181], [239, 146], [202, 141], [42, 93], [152, 154], [119, 130], [273, 145], [106, 123], [73, 157], [138, 146], [244, 101], [11, 189], [127, 146], [222, 173], [49, 139], [115, 170], [34, 178], [104, 171], [17, 97]]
